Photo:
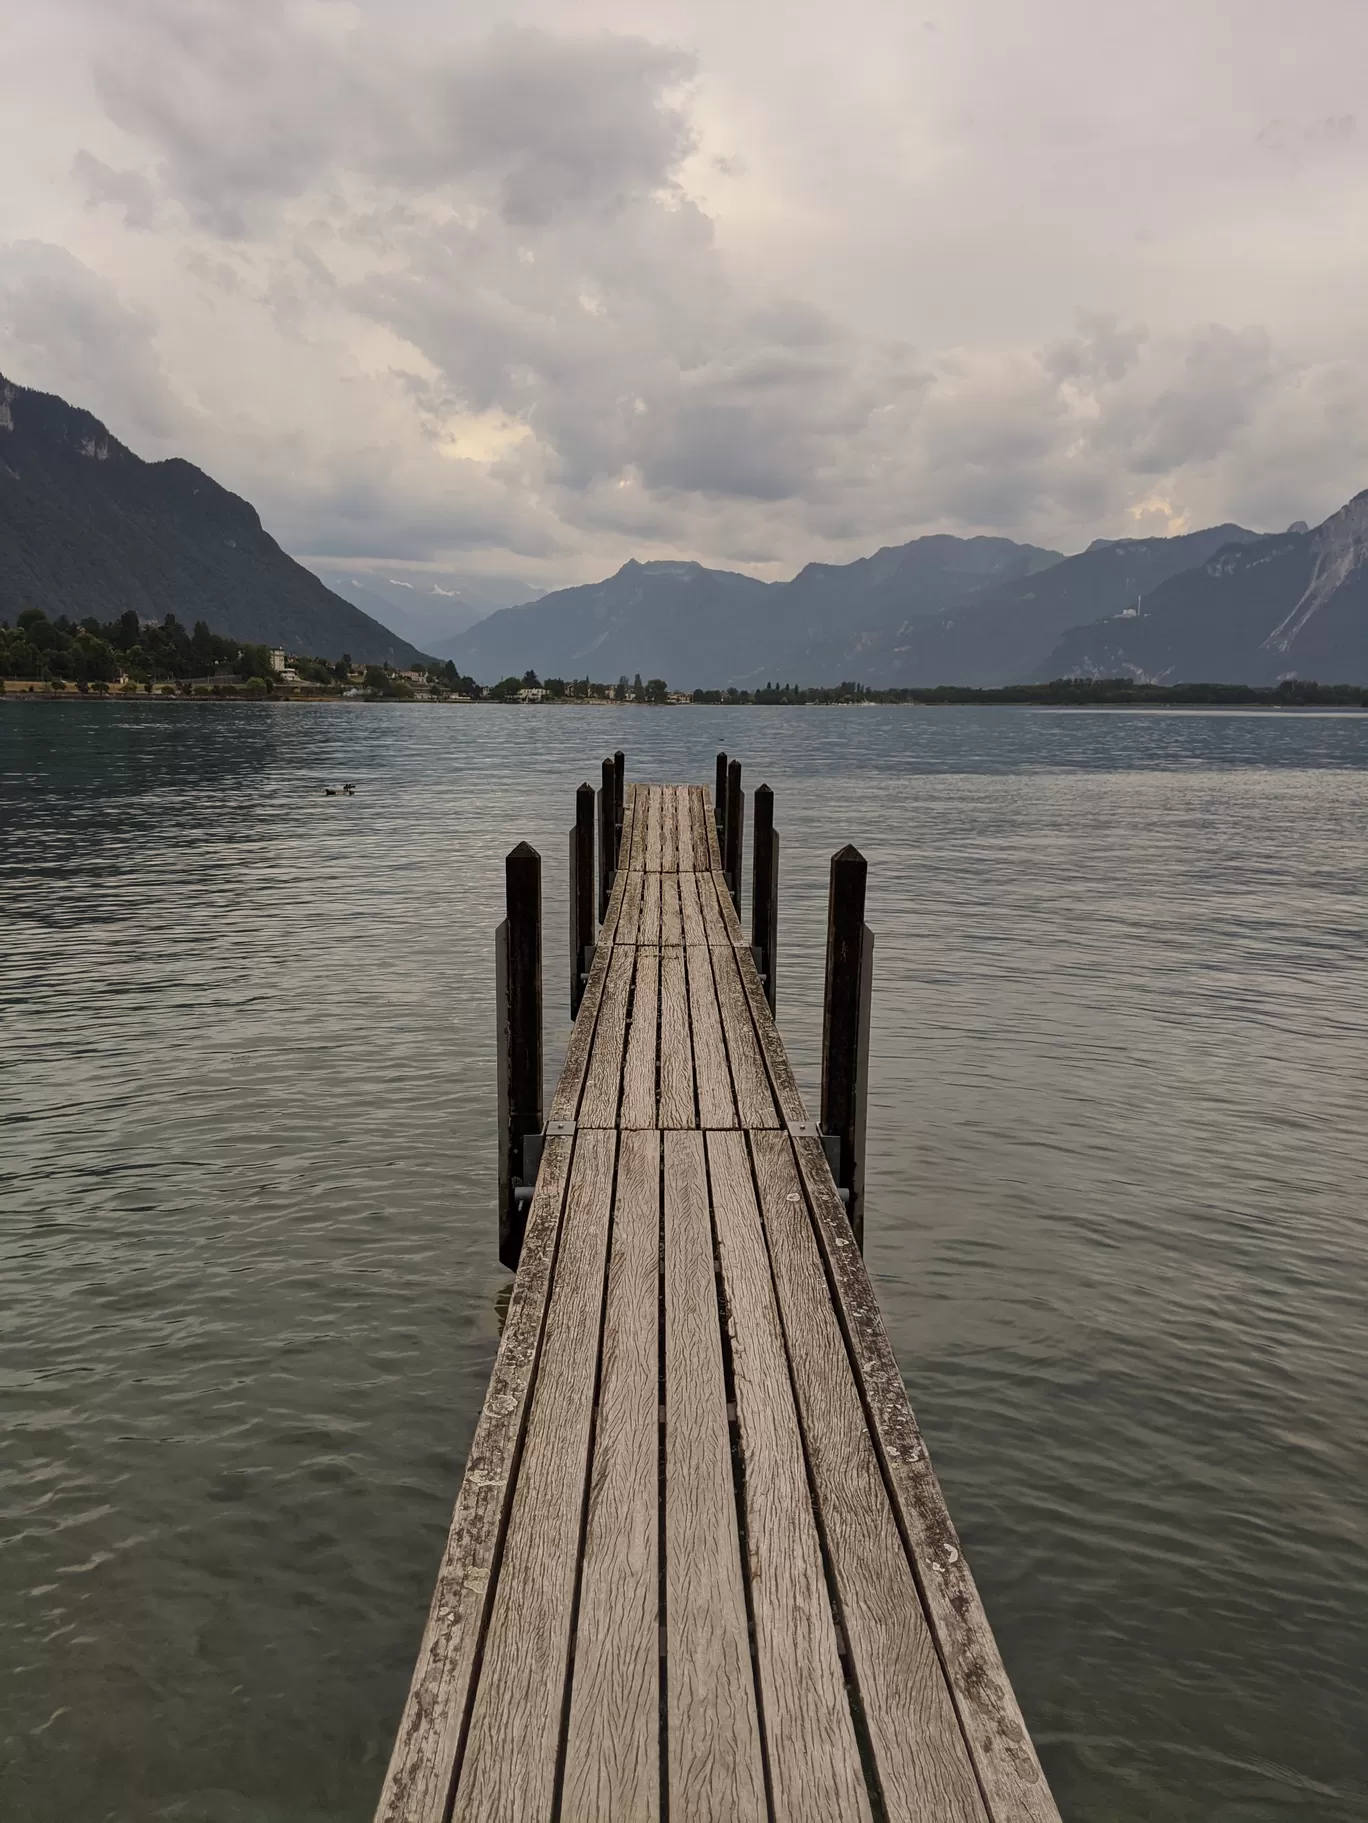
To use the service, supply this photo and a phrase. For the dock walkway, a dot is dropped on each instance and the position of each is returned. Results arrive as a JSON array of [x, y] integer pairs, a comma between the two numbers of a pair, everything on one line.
[[700, 1566]]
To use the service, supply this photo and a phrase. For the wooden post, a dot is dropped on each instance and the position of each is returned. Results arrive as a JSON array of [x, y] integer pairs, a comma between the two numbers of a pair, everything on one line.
[[581, 893], [619, 788], [607, 849], [517, 949], [765, 889], [845, 1027], [720, 802], [736, 830]]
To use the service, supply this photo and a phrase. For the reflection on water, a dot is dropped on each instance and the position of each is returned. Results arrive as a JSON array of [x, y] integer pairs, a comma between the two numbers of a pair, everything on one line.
[[247, 1253]]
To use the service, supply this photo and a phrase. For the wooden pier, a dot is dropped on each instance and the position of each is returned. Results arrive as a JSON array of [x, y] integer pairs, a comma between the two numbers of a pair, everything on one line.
[[700, 1567]]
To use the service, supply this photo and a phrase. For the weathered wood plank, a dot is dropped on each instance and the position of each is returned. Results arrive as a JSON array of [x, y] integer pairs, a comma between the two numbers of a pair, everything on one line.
[[671, 918], [422, 1767], [716, 1103], [669, 830], [1004, 1757], [612, 1758], [712, 895], [648, 930], [639, 1071], [653, 830], [603, 1080], [691, 916], [792, 1108], [509, 1765], [925, 1774], [714, 847], [699, 809], [754, 1102], [683, 830], [814, 1754], [625, 931], [636, 854], [715, 1765], [565, 1102], [676, 1044]]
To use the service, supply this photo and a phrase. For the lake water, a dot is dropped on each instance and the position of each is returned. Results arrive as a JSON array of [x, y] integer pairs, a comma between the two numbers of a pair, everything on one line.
[[249, 1295]]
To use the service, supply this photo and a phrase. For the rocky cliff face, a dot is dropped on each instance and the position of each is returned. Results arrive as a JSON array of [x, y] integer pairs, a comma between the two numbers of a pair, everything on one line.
[[88, 528], [1291, 605]]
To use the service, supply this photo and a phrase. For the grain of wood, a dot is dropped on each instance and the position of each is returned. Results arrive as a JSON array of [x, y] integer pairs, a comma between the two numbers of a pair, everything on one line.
[[712, 889], [1009, 1773], [684, 830], [565, 1102], [653, 830], [669, 831], [418, 1784], [716, 1103], [754, 1102], [603, 1080], [784, 1087], [698, 810], [714, 847], [636, 860], [612, 1758], [925, 1774], [648, 930], [671, 918], [715, 1767], [639, 1070], [691, 916], [676, 1044], [626, 931], [509, 1765], [814, 1754]]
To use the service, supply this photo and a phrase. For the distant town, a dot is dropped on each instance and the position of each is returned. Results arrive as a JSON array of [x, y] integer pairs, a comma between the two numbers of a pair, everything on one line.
[[138, 659]]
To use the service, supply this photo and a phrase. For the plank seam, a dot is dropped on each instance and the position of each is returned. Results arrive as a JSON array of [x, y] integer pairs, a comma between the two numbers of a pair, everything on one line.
[[567, 1689], [738, 1484]]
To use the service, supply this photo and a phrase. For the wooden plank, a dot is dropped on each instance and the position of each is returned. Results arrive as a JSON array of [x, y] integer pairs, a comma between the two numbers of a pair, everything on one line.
[[754, 1102], [691, 916], [716, 1105], [712, 893], [565, 1102], [648, 929], [418, 1784], [814, 1754], [1004, 1757], [625, 930], [684, 824], [715, 1766], [730, 918], [612, 1758], [637, 859], [792, 1108], [509, 1765], [669, 831], [698, 811], [603, 1080], [671, 917], [676, 1044], [714, 849], [653, 830], [924, 1769], [639, 1071]]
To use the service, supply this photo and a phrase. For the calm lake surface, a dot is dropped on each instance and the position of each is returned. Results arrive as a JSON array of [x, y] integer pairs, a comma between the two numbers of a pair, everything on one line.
[[249, 1295]]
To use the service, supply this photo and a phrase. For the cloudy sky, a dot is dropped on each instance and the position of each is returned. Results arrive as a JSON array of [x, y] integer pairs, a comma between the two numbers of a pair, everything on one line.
[[526, 289]]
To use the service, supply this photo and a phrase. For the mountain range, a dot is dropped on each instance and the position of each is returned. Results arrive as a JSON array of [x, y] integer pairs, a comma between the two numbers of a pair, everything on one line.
[[88, 528]]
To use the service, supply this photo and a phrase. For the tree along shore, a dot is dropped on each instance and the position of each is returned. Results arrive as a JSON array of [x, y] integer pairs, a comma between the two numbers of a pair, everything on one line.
[[130, 657]]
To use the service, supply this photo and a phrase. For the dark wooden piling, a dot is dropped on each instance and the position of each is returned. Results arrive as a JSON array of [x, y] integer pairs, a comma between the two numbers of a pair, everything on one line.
[[619, 787], [765, 890], [720, 800], [581, 893], [845, 1028], [607, 856], [734, 847], [518, 976]]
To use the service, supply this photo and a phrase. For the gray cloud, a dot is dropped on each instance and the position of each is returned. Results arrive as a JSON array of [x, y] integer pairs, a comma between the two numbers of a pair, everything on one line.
[[540, 296]]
